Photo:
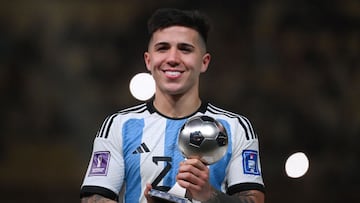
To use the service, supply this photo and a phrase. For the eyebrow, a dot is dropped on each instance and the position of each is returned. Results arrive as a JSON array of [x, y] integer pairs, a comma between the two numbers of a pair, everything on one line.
[[184, 45], [161, 44]]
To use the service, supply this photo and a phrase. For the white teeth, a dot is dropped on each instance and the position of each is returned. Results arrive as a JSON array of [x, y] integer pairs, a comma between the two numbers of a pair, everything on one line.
[[172, 73]]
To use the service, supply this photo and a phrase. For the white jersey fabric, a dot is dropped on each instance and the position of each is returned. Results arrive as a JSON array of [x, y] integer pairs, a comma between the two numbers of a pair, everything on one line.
[[138, 145]]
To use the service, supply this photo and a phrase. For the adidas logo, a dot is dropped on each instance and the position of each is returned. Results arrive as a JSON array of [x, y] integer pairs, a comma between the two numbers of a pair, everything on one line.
[[141, 149]]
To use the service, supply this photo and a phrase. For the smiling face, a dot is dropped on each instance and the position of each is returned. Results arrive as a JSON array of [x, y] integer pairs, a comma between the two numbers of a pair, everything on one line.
[[176, 56]]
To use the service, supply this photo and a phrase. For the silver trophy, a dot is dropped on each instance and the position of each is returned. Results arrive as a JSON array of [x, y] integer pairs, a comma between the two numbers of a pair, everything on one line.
[[201, 137]]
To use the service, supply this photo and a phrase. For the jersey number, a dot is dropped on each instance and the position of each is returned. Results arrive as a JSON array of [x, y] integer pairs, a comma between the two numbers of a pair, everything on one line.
[[156, 160]]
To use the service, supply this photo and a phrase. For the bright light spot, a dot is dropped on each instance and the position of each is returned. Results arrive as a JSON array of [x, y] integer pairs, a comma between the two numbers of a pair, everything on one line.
[[142, 86], [296, 165]]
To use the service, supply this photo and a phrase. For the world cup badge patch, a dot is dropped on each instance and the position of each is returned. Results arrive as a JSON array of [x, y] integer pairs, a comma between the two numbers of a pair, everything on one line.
[[250, 162], [100, 163]]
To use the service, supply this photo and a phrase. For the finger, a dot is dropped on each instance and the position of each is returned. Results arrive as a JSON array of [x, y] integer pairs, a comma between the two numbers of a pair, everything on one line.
[[196, 162], [146, 193], [194, 167], [190, 186], [193, 176]]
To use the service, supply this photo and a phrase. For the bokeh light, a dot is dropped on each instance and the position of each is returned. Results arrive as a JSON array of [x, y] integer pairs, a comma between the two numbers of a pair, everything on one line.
[[142, 86], [296, 165]]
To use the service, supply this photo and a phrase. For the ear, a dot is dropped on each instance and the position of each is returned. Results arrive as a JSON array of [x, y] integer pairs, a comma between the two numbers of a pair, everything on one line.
[[205, 62], [147, 60]]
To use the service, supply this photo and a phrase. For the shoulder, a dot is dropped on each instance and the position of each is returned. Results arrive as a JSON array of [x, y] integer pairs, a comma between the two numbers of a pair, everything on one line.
[[114, 120], [136, 109], [132, 111], [232, 118], [217, 111]]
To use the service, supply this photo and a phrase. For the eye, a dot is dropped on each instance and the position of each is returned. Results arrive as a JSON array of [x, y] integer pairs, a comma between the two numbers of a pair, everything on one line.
[[186, 48], [161, 47]]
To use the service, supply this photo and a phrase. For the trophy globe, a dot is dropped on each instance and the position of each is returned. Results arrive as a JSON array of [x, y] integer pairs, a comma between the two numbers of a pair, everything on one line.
[[204, 138]]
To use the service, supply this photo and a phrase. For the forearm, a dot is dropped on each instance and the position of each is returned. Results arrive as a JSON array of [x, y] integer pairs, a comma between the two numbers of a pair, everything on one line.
[[251, 196], [96, 199]]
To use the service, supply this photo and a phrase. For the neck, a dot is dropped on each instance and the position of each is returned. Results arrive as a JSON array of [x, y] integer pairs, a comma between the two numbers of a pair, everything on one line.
[[176, 106]]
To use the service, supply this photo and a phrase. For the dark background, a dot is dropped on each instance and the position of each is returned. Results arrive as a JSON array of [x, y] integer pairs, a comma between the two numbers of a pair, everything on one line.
[[291, 67]]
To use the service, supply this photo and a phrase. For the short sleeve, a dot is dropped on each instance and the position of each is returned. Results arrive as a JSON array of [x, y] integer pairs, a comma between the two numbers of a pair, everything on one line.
[[105, 172], [244, 171]]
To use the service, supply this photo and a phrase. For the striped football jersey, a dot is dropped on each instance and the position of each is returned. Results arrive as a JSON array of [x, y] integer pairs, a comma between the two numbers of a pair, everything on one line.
[[138, 145]]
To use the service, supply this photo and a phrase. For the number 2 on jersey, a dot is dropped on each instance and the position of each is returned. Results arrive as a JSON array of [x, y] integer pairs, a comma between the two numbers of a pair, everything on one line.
[[156, 160]]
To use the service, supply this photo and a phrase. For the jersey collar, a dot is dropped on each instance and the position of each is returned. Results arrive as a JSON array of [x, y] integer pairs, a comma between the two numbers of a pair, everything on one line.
[[152, 109]]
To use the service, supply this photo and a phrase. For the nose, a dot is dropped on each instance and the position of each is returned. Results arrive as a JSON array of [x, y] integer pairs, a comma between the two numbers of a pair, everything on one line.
[[173, 58]]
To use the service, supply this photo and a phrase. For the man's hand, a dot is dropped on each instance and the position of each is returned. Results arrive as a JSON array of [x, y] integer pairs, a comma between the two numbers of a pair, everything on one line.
[[149, 199], [194, 177]]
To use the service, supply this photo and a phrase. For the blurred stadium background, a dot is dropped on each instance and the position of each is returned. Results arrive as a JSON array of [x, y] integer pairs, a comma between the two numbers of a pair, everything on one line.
[[292, 67]]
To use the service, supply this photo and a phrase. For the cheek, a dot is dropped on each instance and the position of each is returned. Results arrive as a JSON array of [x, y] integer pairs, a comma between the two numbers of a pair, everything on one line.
[[195, 62], [154, 61], [148, 67]]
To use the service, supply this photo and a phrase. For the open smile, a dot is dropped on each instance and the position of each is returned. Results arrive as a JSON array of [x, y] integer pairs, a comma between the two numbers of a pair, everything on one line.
[[173, 73]]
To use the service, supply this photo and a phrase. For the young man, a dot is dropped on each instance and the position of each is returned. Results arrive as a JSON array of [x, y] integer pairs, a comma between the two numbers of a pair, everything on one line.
[[136, 148]]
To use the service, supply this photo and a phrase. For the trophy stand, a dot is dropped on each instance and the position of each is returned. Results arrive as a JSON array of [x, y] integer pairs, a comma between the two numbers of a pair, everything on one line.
[[176, 194]]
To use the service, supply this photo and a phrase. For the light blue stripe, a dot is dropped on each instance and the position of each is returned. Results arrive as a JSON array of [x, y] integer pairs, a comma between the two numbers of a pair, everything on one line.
[[132, 137], [171, 149], [218, 169]]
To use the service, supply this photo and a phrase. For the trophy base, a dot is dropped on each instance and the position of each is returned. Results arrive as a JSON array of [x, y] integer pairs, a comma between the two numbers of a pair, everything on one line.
[[164, 197]]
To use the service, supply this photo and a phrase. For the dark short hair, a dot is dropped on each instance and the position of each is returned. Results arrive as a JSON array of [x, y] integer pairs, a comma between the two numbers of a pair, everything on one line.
[[166, 17]]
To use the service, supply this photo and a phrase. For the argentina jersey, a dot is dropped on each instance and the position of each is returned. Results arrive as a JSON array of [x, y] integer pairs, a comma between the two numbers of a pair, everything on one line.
[[138, 145]]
